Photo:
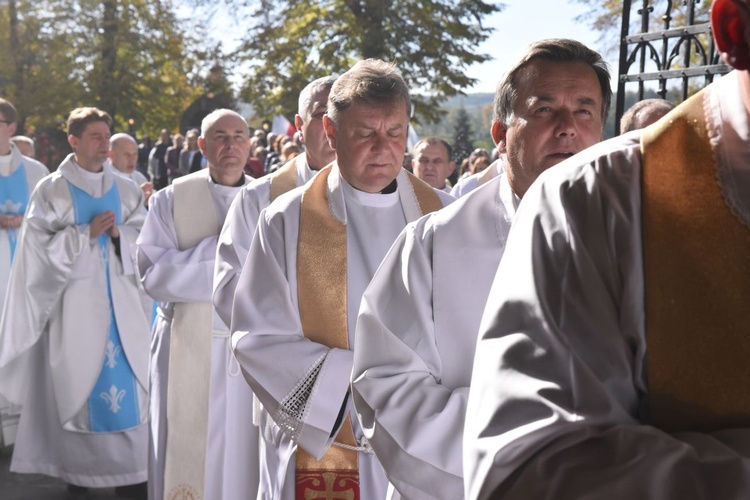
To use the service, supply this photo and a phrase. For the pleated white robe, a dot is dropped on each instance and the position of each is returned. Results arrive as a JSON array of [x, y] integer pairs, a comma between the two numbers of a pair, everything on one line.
[[171, 275], [276, 358], [416, 333]]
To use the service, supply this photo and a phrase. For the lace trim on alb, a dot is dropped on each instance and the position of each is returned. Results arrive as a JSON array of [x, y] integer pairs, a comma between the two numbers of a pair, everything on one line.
[[291, 414]]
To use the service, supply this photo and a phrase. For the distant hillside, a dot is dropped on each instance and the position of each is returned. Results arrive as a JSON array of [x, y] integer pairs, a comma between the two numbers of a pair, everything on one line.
[[479, 108]]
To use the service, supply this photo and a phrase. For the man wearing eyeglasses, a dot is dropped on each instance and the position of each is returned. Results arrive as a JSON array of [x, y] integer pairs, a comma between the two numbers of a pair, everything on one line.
[[18, 176], [614, 363]]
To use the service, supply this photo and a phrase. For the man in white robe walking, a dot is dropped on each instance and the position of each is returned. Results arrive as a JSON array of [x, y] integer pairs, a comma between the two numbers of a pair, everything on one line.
[[19, 175], [202, 441], [612, 359], [74, 329], [311, 258], [418, 322], [239, 227]]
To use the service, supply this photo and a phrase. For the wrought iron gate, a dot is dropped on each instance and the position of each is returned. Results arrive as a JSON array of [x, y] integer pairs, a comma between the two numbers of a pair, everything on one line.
[[671, 53]]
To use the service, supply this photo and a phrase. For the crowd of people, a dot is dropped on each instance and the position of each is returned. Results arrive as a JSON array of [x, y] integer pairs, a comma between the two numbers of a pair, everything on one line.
[[322, 318]]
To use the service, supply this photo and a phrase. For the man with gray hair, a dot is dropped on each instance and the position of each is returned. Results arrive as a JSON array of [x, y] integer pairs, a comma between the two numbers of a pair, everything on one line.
[[417, 325], [239, 227], [201, 444], [313, 253]]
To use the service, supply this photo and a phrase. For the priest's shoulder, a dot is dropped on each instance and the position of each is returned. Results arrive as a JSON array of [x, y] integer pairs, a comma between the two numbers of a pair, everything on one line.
[[285, 202], [36, 166]]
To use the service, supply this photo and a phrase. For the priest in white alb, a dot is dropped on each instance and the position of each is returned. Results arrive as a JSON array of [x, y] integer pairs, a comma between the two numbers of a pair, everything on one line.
[[419, 318], [612, 358], [202, 442], [295, 306], [74, 331], [239, 226]]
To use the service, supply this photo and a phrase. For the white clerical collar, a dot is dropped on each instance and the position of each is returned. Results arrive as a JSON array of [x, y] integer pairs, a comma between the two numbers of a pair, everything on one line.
[[87, 174], [729, 131], [6, 164], [369, 199]]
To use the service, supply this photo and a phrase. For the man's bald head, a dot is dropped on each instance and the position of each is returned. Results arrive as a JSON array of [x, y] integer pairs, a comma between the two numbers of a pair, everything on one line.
[[123, 152]]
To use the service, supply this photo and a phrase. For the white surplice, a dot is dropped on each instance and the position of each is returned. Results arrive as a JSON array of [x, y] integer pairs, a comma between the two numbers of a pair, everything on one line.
[[237, 234], [469, 184], [416, 334], [34, 172], [559, 385], [171, 275], [55, 329], [276, 358]]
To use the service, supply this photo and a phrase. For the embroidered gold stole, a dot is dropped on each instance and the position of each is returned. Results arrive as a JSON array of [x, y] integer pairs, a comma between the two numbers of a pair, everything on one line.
[[284, 179], [188, 383], [697, 281], [321, 291]]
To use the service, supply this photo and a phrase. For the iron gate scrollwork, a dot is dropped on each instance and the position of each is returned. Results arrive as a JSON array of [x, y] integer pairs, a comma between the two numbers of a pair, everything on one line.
[[684, 52]]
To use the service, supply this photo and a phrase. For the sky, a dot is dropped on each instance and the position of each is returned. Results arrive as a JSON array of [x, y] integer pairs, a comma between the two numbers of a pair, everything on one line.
[[517, 25], [523, 22]]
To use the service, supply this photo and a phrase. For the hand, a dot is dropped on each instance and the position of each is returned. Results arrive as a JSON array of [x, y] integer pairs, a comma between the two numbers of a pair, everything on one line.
[[10, 221], [104, 222], [148, 190]]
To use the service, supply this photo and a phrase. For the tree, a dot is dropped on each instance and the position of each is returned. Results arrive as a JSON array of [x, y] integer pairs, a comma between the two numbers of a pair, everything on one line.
[[462, 144], [431, 41], [128, 57]]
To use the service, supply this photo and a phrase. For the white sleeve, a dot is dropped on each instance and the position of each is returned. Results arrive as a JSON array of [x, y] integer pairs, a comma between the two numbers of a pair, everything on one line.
[[302, 384], [558, 394], [169, 274], [413, 422], [231, 252]]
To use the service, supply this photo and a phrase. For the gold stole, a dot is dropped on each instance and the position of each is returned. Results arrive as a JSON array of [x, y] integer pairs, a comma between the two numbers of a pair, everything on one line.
[[697, 282], [321, 290], [188, 383], [284, 179]]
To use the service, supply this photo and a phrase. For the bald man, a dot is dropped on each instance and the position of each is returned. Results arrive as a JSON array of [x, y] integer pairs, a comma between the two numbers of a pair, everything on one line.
[[123, 153]]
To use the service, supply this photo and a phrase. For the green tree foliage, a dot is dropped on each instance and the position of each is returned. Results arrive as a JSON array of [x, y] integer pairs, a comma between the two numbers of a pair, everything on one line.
[[462, 133], [290, 43], [128, 57]]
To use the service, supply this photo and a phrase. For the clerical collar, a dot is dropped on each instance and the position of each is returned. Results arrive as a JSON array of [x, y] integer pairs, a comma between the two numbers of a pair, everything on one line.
[[5, 164], [369, 199], [390, 188], [239, 183], [87, 174]]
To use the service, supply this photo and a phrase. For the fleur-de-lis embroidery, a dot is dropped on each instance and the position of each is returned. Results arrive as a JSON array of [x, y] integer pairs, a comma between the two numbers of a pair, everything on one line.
[[111, 353], [113, 398], [9, 207]]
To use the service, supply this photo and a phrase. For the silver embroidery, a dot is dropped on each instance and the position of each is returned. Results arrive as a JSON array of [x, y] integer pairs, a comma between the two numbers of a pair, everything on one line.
[[291, 414]]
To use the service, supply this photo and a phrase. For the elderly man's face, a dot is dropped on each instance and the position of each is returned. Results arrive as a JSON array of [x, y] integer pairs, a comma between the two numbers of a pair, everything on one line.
[[556, 114], [226, 145], [432, 165], [370, 142], [317, 149]]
